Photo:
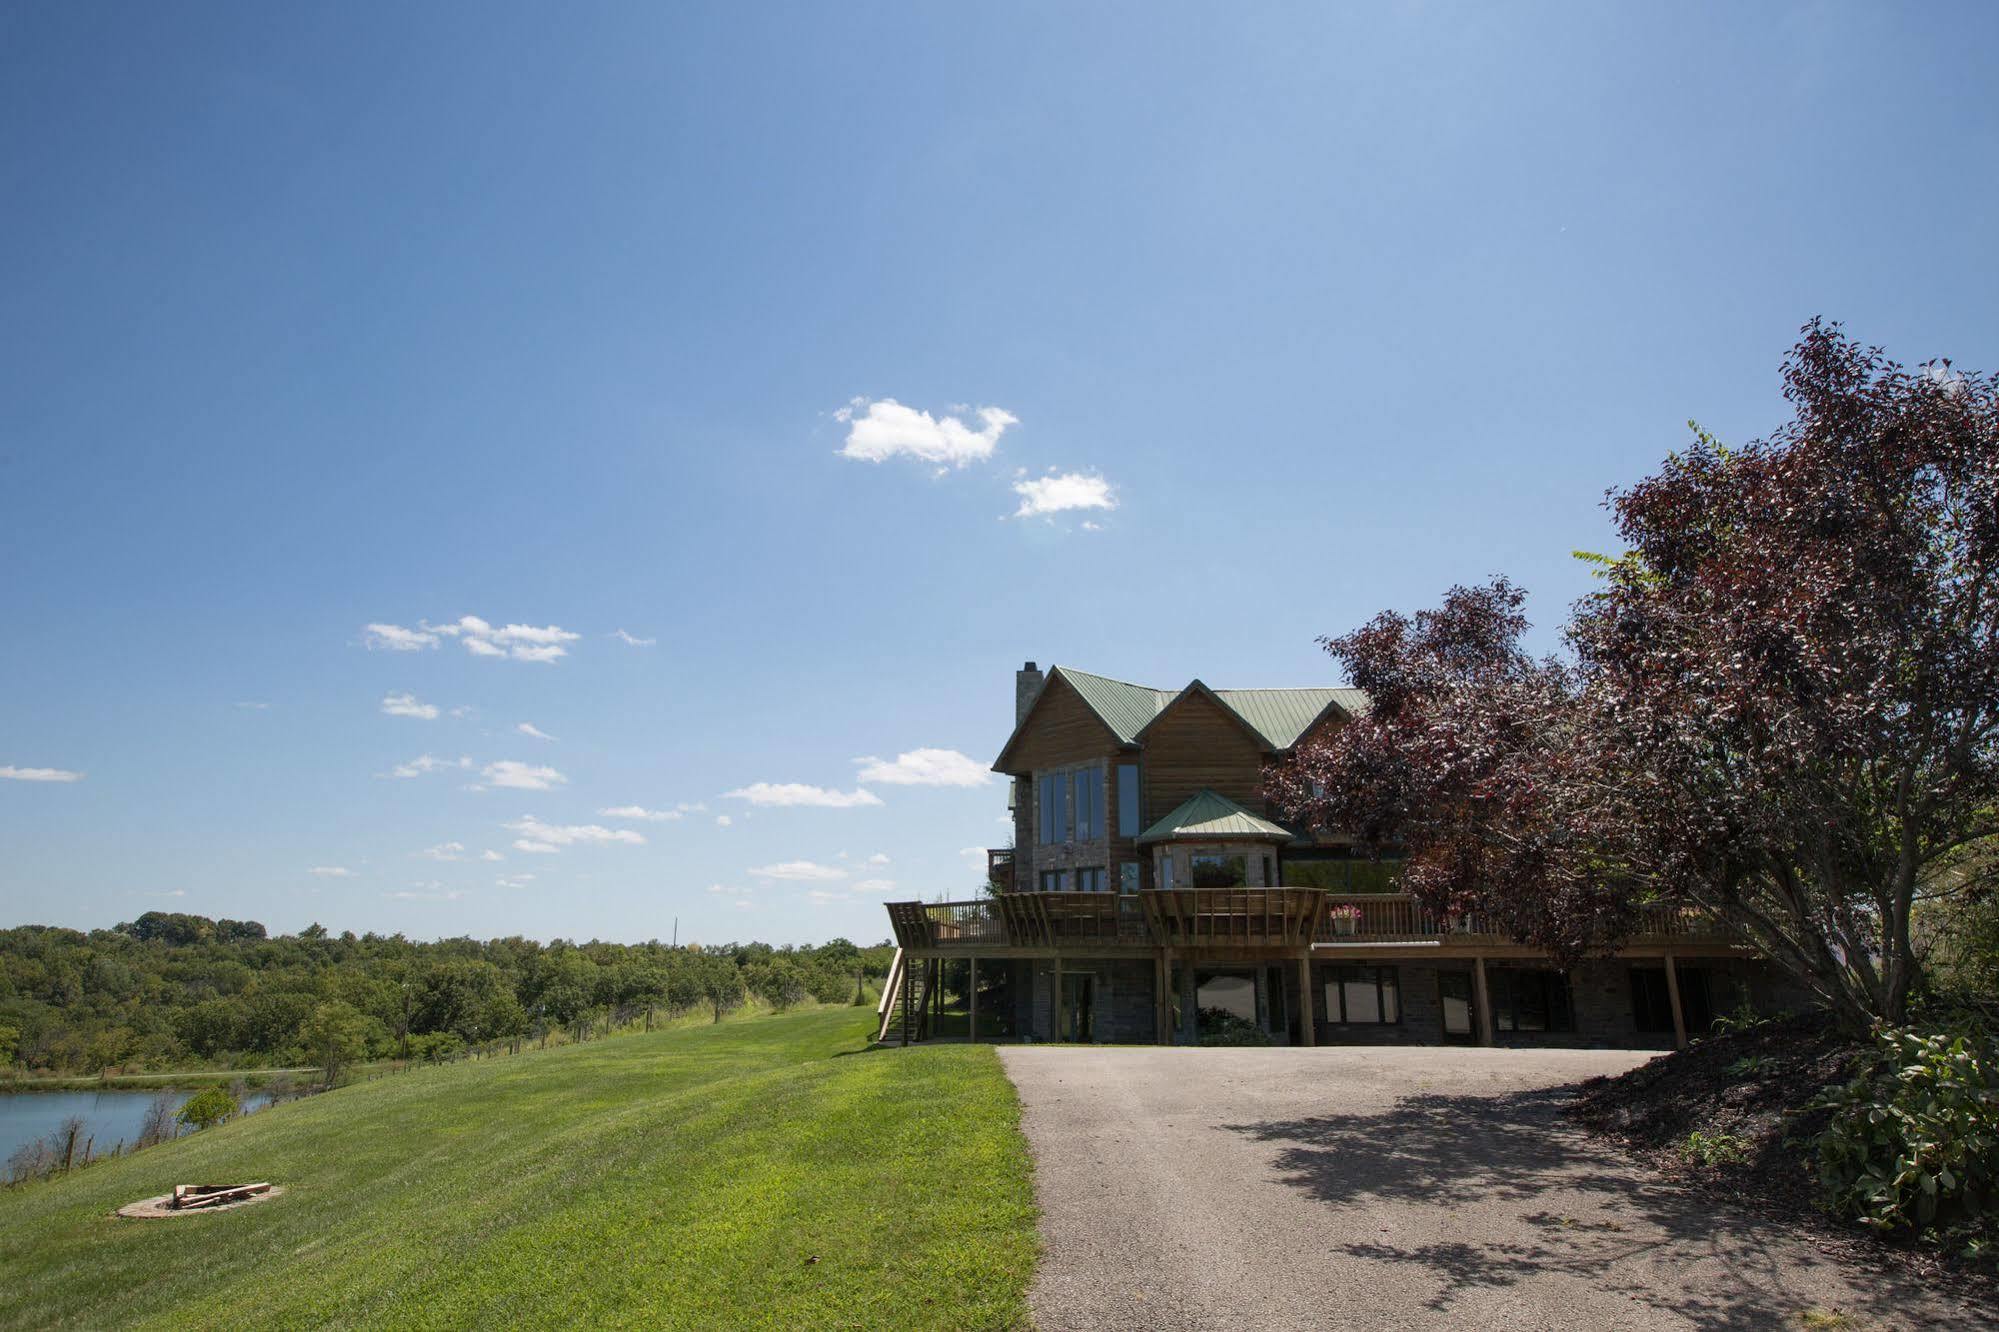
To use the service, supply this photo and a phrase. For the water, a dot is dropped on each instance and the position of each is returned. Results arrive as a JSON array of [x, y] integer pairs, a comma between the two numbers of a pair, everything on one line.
[[110, 1116]]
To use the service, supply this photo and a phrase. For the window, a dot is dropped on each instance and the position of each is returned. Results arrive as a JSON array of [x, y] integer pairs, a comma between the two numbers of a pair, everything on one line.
[[1127, 877], [1052, 788], [1166, 873], [1219, 871], [1343, 872], [1127, 800], [1528, 999], [1652, 1002], [1363, 996], [1234, 995], [1089, 803], [1090, 880], [1051, 881]]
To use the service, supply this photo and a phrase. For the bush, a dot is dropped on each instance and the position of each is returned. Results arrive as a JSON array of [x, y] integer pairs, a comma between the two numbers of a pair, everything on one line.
[[207, 1108], [1218, 1026], [1913, 1142]]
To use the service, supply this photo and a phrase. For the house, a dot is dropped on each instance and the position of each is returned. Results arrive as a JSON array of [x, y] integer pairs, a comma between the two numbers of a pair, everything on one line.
[[1150, 885]]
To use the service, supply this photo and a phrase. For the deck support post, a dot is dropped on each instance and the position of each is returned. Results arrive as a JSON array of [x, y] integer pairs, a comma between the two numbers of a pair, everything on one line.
[[972, 1001], [1482, 998], [1055, 1004], [1673, 996], [1190, 1021], [1162, 980], [908, 997], [1305, 1033]]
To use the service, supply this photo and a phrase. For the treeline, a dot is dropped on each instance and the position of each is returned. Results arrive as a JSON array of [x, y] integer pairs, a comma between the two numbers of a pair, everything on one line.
[[173, 991]]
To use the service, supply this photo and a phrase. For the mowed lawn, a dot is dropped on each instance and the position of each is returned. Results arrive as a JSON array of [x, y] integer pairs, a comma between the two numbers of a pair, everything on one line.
[[770, 1172]]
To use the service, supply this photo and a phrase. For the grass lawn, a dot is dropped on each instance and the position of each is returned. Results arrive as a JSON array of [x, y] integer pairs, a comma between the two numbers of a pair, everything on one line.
[[685, 1179]]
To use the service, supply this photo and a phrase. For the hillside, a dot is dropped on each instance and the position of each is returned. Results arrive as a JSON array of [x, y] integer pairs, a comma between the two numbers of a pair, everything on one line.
[[768, 1172]]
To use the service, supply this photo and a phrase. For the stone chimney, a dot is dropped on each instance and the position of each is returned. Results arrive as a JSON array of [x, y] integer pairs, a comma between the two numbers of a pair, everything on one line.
[[1026, 686]]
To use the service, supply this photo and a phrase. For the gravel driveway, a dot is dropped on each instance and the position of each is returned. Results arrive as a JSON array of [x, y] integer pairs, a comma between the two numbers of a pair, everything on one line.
[[1388, 1188]]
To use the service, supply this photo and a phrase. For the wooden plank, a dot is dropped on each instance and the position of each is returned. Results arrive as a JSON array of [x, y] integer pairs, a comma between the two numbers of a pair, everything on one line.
[[1673, 996], [1482, 998]]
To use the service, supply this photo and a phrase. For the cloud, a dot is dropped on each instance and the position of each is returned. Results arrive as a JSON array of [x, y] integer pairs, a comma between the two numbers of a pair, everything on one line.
[[972, 852], [529, 728], [800, 871], [427, 892], [545, 838], [250, 706], [1059, 492], [727, 890], [924, 767], [785, 794], [821, 897], [406, 705], [642, 813], [884, 429], [491, 855], [444, 851], [878, 858], [631, 640], [13, 774], [874, 886], [522, 642], [331, 871], [427, 763], [516, 776], [395, 638], [723, 820], [514, 881]]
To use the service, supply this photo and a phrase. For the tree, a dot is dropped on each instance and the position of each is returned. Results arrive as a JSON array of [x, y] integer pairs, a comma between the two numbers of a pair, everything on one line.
[[721, 985], [1782, 708], [207, 1108], [335, 1036]]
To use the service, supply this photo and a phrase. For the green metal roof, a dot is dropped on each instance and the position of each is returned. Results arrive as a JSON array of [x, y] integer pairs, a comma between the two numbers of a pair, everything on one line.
[[1207, 816], [1280, 716], [1125, 708]]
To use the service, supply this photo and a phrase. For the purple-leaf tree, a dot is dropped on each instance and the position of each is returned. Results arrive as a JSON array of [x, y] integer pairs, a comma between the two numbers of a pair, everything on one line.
[[1782, 707]]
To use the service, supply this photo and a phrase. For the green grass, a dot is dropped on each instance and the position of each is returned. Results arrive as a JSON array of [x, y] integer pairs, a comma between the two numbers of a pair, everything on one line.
[[685, 1179]]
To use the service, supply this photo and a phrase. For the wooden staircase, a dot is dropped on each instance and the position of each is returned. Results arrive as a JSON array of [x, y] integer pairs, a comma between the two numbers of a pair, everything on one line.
[[895, 994]]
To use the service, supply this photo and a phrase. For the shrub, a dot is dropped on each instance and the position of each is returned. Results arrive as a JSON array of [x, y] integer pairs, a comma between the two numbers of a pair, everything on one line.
[[207, 1108], [1719, 1148], [1912, 1145], [1218, 1026]]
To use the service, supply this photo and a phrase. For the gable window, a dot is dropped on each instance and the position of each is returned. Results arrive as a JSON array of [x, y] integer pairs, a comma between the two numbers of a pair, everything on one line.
[[1531, 999], [1127, 800], [1051, 881], [1090, 880], [1363, 996], [1089, 783]]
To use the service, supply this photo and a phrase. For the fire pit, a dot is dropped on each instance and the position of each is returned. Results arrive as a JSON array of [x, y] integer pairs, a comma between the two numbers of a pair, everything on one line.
[[194, 1199]]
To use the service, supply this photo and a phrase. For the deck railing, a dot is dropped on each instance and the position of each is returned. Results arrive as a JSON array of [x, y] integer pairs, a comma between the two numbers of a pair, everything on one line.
[[1216, 917]]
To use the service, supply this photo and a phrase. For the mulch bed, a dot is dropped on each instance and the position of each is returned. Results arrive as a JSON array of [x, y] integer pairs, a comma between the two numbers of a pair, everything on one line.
[[1753, 1085]]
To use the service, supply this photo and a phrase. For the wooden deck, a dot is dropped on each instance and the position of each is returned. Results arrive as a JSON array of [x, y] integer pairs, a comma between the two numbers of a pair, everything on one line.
[[1245, 922]]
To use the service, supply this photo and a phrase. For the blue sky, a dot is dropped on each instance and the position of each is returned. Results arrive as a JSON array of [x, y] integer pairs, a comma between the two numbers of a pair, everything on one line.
[[751, 331]]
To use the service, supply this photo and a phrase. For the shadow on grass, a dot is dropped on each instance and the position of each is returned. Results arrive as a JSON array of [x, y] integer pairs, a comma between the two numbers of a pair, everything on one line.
[[1632, 1234]]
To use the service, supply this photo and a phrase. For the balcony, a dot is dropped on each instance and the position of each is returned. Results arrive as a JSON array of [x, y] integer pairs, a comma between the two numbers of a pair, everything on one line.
[[1221, 919], [999, 868]]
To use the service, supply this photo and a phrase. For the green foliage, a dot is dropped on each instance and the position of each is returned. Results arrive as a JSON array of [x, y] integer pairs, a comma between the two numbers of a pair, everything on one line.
[[335, 1036], [1912, 1145], [1719, 1148], [682, 1181], [1218, 1026], [207, 1108]]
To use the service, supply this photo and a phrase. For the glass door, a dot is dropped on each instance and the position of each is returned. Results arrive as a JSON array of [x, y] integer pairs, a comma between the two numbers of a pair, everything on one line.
[[1454, 997], [1079, 994]]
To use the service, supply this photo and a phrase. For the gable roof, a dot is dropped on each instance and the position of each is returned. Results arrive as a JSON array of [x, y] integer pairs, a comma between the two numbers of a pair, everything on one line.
[[1276, 717], [1207, 815]]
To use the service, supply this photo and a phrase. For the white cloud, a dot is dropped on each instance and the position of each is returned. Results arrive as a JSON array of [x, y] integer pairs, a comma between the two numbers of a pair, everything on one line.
[[517, 776], [522, 642], [632, 640], [821, 897], [331, 871], [543, 838], [875, 886], [800, 871], [514, 881], [924, 767], [251, 706], [878, 858], [427, 763], [491, 855], [783, 794], [727, 890], [884, 429], [723, 820], [444, 851], [395, 638], [427, 892], [1059, 492], [529, 728], [406, 705], [13, 774], [642, 813]]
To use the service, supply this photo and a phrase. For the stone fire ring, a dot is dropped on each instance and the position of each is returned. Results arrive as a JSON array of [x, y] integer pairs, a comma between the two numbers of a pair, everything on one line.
[[159, 1209]]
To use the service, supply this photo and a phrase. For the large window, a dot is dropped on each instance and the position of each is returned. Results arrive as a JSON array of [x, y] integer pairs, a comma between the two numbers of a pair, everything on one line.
[[1235, 995], [1051, 881], [1363, 996], [1089, 803], [1530, 999], [1127, 877], [1340, 872], [1127, 800], [1091, 880], [1051, 789], [1219, 871]]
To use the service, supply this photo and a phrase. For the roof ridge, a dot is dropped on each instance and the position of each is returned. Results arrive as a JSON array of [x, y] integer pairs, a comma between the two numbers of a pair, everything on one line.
[[1108, 679]]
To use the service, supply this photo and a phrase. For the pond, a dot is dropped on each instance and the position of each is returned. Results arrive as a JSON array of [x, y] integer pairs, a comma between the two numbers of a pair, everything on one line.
[[110, 1116]]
